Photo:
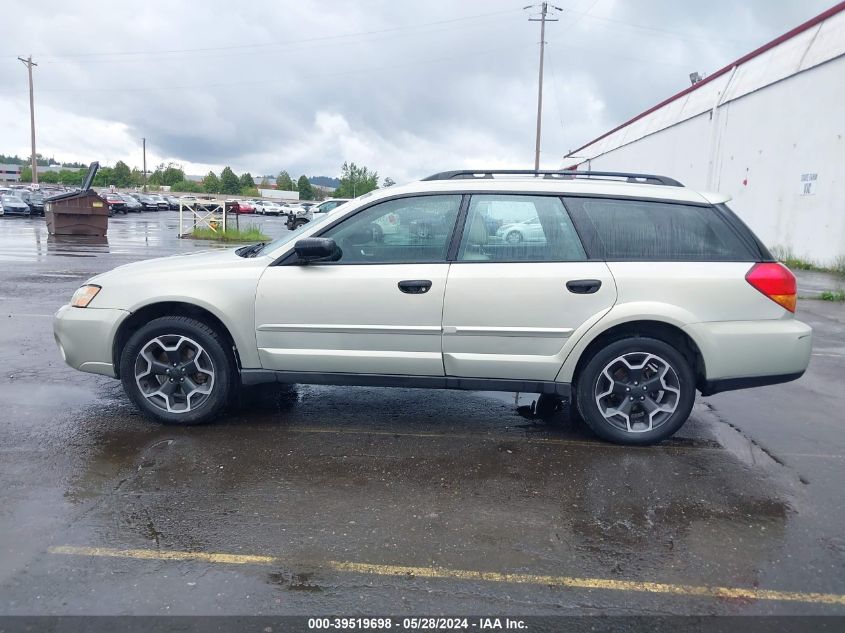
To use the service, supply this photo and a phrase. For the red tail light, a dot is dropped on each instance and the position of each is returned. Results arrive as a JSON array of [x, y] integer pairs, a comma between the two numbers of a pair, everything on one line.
[[775, 281]]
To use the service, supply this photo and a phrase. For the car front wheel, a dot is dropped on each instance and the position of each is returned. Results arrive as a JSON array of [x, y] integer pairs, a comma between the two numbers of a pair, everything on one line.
[[177, 370], [637, 390]]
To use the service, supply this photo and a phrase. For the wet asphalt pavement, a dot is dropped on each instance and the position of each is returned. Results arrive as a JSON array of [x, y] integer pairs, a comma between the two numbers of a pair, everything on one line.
[[344, 489]]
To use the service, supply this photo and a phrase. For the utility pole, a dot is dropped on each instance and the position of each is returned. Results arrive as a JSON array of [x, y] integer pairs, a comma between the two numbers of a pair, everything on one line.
[[29, 64], [544, 17], [144, 146]]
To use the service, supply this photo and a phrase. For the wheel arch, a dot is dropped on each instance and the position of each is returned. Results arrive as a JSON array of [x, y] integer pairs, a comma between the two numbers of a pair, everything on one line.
[[670, 333], [151, 311]]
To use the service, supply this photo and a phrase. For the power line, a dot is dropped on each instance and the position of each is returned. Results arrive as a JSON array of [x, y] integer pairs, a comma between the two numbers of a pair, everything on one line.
[[322, 38], [341, 73], [654, 29]]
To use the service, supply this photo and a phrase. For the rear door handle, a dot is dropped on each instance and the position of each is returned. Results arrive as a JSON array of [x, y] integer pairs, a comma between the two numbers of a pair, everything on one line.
[[583, 286], [415, 286]]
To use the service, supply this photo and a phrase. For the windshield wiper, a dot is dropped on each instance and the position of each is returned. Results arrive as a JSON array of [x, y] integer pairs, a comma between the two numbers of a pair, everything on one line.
[[252, 250]]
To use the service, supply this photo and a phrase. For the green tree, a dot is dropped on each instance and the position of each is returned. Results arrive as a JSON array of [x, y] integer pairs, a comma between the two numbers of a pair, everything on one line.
[[103, 177], [264, 181], [211, 183], [186, 186], [166, 175], [229, 182], [72, 177], [137, 178], [49, 177], [284, 182], [252, 192], [355, 181], [155, 179], [172, 174], [388, 182], [121, 175], [26, 173], [246, 181], [306, 191]]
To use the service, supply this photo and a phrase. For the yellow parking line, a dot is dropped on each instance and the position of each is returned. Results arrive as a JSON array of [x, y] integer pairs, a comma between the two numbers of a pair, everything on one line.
[[695, 591], [153, 554]]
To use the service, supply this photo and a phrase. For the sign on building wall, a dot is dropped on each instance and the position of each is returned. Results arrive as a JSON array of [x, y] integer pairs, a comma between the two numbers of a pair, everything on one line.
[[808, 184]]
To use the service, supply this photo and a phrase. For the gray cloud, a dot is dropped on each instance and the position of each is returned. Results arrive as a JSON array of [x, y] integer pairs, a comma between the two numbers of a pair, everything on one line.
[[406, 88]]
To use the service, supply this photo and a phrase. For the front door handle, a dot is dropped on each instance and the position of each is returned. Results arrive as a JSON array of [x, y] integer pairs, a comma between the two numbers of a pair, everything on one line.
[[583, 286], [415, 286]]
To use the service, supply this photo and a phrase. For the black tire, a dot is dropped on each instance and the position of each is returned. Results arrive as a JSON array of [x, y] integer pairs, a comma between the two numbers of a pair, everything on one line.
[[586, 384], [222, 365], [298, 223], [513, 237]]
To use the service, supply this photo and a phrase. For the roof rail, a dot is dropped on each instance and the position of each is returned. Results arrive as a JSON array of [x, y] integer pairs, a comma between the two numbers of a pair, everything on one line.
[[565, 174]]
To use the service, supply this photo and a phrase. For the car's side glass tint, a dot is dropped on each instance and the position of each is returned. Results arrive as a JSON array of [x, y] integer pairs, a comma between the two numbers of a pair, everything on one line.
[[407, 230], [516, 228], [656, 231]]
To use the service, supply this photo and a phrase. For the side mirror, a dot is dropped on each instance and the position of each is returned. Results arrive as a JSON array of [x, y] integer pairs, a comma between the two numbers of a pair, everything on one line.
[[312, 249]]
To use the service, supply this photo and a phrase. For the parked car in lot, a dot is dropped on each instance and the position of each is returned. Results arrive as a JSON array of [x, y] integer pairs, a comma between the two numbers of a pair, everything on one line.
[[13, 205], [116, 202], [33, 199], [148, 203], [241, 206], [132, 205], [268, 207], [172, 202], [640, 292], [295, 220], [163, 205], [530, 230]]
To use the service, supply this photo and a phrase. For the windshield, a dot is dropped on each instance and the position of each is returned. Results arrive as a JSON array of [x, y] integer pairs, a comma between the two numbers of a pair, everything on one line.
[[12, 199], [292, 235]]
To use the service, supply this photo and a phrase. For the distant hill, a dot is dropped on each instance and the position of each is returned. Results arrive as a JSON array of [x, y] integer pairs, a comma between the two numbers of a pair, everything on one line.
[[324, 181]]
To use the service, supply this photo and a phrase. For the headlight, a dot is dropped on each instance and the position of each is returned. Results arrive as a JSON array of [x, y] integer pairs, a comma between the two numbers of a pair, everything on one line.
[[84, 295]]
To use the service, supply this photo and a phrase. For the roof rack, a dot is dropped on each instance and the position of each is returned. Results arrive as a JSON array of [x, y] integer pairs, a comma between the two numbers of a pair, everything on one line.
[[565, 174]]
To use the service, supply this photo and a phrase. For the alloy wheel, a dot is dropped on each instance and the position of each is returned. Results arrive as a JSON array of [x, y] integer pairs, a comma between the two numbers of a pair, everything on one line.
[[637, 392], [174, 373]]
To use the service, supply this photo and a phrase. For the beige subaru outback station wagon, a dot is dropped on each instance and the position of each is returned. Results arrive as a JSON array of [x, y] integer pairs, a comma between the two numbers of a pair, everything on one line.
[[620, 293]]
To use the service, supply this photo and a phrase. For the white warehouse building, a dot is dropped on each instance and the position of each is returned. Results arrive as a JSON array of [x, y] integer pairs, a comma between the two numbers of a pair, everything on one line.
[[768, 130]]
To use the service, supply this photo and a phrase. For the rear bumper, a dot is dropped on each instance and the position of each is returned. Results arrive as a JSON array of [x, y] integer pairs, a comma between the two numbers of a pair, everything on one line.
[[742, 354], [731, 384], [85, 337]]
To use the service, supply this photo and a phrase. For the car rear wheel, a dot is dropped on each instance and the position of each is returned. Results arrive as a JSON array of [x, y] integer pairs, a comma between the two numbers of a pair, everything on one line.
[[177, 370], [637, 390], [514, 237]]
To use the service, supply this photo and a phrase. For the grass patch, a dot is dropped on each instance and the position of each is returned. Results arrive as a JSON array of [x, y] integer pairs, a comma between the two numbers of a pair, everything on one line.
[[786, 256], [832, 295], [250, 233]]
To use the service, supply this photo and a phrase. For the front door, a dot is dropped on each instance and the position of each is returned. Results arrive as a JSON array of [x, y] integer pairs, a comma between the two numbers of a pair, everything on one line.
[[520, 287], [377, 310]]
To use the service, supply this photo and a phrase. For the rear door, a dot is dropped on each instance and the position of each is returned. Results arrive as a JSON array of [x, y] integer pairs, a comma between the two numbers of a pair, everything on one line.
[[512, 306]]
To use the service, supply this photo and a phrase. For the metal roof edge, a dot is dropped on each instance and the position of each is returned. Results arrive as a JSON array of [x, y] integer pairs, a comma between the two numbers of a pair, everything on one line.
[[821, 17]]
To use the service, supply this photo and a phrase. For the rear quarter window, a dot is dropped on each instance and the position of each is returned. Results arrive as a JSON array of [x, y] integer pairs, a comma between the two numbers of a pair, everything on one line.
[[647, 230]]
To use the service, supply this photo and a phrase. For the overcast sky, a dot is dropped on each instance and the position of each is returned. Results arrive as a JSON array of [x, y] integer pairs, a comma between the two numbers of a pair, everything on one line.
[[406, 88]]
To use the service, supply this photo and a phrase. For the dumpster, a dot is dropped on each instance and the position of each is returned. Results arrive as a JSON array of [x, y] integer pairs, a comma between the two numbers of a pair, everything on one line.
[[78, 212]]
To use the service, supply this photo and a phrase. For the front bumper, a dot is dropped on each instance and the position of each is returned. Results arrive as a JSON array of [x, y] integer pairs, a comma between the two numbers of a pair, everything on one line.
[[85, 337], [740, 354]]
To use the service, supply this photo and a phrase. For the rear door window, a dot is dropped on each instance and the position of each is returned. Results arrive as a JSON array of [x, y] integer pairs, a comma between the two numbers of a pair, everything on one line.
[[519, 228], [655, 231]]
